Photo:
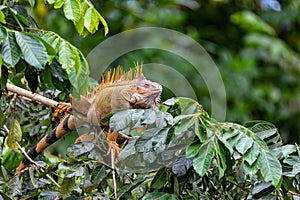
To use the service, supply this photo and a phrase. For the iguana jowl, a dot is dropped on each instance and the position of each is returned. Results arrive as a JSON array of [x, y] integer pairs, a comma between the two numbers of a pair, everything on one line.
[[118, 90]]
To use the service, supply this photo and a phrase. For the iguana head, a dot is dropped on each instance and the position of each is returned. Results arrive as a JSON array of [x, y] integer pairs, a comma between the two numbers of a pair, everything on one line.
[[146, 94]]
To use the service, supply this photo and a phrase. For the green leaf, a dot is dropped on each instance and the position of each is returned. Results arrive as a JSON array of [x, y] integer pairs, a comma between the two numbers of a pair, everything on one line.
[[104, 24], [34, 52], [243, 144], [151, 139], [50, 50], [98, 174], [193, 149], [79, 25], [14, 187], [82, 72], [271, 168], [159, 179], [91, 20], [220, 157], [253, 168], [31, 2], [66, 56], [3, 34], [296, 169], [139, 191], [67, 186], [58, 4], [185, 124], [33, 180], [2, 18], [11, 52], [251, 22], [72, 9], [128, 188], [202, 161], [15, 134], [78, 149], [51, 39], [225, 143], [252, 154]]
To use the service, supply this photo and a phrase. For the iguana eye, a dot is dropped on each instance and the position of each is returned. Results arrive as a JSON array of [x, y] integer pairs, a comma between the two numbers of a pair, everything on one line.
[[146, 85]]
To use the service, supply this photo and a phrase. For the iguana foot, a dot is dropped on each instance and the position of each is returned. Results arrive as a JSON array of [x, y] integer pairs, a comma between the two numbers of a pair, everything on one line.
[[61, 109], [112, 143]]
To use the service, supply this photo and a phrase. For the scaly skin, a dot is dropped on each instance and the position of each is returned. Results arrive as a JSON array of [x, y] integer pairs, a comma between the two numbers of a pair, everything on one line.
[[117, 92]]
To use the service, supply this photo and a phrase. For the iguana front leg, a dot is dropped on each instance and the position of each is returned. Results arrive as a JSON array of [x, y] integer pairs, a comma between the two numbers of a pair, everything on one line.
[[61, 108]]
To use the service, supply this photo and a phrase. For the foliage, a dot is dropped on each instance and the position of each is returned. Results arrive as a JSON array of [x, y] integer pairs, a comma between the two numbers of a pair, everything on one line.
[[183, 153], [189, 155]]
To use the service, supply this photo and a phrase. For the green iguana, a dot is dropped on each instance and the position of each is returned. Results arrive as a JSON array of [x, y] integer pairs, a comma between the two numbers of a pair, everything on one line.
[[118, 90]]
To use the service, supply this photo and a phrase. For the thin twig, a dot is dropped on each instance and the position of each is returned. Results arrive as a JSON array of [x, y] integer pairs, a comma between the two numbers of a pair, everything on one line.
[[294, 193], [34, 163], [237, 185], [113, 171]]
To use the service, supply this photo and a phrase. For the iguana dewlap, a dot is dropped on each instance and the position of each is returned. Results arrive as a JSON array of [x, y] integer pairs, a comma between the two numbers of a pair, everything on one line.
[[118, 90]]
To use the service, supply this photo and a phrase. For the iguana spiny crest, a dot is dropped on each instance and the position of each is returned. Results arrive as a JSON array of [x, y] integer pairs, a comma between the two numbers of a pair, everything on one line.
[[118, 90]]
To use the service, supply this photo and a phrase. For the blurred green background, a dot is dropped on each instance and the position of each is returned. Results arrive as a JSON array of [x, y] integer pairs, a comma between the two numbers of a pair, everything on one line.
[[255, 44]]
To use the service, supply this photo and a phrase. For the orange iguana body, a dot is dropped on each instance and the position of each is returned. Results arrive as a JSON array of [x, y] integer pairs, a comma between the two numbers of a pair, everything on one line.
[[118, 90]]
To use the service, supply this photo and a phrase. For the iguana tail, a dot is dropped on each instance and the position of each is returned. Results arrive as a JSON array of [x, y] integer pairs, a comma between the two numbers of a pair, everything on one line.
[[66, 125]]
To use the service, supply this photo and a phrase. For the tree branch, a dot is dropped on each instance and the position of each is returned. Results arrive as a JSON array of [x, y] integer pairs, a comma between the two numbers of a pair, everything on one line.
[[30, 95]]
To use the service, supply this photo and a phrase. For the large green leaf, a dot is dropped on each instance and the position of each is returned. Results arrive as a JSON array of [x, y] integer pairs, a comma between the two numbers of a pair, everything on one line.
[[3, 34], [11, 52], [82, 72], [33, 50], [79, 25], [159, 179], [72, 9], [202, 161], [91, 20], [49, 49], [67, 58], [220, 157], [271, 168]]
